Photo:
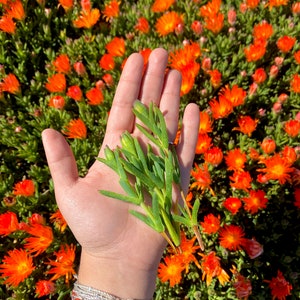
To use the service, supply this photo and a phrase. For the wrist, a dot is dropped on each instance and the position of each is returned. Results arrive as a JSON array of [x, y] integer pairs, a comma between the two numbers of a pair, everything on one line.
[[117, 275]]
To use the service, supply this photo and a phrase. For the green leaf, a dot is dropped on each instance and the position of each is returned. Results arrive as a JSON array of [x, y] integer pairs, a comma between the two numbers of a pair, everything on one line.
[[121, 197]]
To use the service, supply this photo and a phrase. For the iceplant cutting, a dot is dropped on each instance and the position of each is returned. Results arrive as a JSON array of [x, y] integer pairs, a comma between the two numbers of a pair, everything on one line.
[[156, 172]]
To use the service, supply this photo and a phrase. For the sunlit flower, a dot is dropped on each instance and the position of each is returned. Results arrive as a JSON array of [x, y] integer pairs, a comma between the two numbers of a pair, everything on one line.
[[297, 57], [232, 204], [63, 265], [268, 145], [75, 92], [40, 239], [246, 125], [111, 10], [62, 64], [142, 25], [66, 4], [107, 62], [295, 83], [257, 200], [285, 43], [211, 267], [292, 128], [255, 52], [56, 83], [264, 30], [8, 223], [76, 129], [57, 102], [280, 287], [252, 4], [235, 95], [241, 180], [44, 288], [161, 5], [215, 77], [168, 23], [10, 84], [235, 159], [253, 248], [210, 8], [94, 96], [7, 25], [15, 10], [24, 188], [213, 156], [210, 224], [220, 109], [276, 3], [87, 19], [205, 123], [277, 168], [259, 76], [16, 267], [231, 237], [202, 178], [289, 153], [214, 23], [171, 270], [59, 221], [116, 47], [203, 143]]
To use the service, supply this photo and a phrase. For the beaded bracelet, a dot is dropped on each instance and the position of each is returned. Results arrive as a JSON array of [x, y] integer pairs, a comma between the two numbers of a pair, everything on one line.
[[83, 292]]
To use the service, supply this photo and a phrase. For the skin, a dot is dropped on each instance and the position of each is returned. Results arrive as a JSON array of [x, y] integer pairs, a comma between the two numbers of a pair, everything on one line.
[[120, 254]]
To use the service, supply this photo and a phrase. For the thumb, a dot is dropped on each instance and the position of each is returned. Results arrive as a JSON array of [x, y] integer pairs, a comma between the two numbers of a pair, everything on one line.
[[60, 159]]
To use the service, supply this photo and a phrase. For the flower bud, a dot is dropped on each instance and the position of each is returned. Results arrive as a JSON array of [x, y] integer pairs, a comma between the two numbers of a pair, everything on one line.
[[273, 71], [277, 107], [231, 17], [282, 97], [252, 248], [197, 27], [268, 145], [79, 68]]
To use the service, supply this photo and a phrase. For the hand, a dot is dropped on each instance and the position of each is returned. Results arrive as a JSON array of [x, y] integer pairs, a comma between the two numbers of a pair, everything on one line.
[[120, 254]]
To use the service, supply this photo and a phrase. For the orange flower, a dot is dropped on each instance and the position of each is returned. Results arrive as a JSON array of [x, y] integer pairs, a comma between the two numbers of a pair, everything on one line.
[[87, 18], [292, 128], [116, 47], [264, 30], [7, 25], [111, 10], [275, 3], [280, 288], [253, 154], [214, 23], [66, 4], [62, 64], [44, 288], [255, 51], [231, 237], [59, 221], [206, 122], [57, 102], [142, 25], [10, 84], [297, 57], [277, 168], [213, 156], [95, 96], [236, 95], [256, 200], [16, 266], [211, 267], [15, 10], [235, 159], [246, 125], [289, 154], [107, 62], [187, 82], [8, 223], [40, 240], [203, 143], [215, 77], [285, 43], [168, 23], [56, 83], [108, 79], [268, 145], [75, 92], [210, 224], [202, 177], [63, 265], [211, 8], [24, 188], [171, 270], [232, 204], [161, 5], [241, 180], [252, 3], [259, 75], [76, 129], [295, 83], [220, 109]]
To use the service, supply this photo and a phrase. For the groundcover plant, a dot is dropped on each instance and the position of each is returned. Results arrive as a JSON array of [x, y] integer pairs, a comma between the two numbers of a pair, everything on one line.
[[60, 61]]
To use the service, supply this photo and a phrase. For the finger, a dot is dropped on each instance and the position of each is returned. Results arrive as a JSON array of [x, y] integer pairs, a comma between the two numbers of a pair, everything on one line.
[[121, 117], [169, 103], [60, 159], [187, 143], [153, 81]]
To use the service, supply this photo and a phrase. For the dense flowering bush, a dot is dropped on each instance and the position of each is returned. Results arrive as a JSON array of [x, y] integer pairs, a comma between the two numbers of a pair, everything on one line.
[[240, 61]]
